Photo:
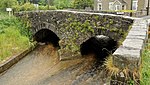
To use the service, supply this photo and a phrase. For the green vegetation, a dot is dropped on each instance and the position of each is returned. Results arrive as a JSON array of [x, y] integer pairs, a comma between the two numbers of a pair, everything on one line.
[[46, 7], [78, 29], [62, 4], [27, 5], [145, 80], [7, 3], [16, 6], [14, 36], [81, 4]]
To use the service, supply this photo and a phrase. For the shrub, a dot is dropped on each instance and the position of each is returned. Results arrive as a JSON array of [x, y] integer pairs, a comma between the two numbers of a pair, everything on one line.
[[7, 4], [61, 4], [42, 2], [52, 8], [16, 8], [46, 8], [43, 8], [28, 7], [82, 4]]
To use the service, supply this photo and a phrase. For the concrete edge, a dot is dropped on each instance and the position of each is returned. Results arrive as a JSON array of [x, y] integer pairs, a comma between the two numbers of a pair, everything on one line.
[[13, 60]]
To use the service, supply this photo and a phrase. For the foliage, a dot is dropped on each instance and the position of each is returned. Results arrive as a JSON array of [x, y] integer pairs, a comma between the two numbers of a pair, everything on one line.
[[43, 7], [82, 4], [77, 29], [46, 2], [28, 7], [146, 66], [13, 36], [7, 4], [42, 2], [46, 8], [25, 7], [61, 4], [21, 2], [11, 42], [16, 8]]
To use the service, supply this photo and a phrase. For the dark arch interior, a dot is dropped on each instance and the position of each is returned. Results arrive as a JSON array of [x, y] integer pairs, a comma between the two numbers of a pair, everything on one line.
[[101, 46], [46, 36]]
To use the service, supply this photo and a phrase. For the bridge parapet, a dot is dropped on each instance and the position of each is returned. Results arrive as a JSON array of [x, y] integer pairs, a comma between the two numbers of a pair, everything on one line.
[[128, 56]]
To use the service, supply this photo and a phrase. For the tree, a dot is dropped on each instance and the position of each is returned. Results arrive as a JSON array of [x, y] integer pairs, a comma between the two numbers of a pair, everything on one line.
[[42, 2], [61, 4], [23, 1], [82, 4], [50, 2], [7, 4]]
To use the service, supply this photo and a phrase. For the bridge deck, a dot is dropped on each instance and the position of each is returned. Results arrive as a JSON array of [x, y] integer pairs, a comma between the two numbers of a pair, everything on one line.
[[42, 67]]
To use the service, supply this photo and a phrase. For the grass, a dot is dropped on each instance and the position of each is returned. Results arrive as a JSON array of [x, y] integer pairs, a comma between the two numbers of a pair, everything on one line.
[[13, 36], [145, 80], [145, 68]]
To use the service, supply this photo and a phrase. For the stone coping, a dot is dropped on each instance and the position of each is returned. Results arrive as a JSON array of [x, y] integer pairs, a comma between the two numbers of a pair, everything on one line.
[[81, 12], [13, 60], [129, 54]]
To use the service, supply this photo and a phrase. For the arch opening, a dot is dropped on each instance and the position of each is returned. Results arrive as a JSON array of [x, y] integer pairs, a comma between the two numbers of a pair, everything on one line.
[[101, 46], [46, 36]]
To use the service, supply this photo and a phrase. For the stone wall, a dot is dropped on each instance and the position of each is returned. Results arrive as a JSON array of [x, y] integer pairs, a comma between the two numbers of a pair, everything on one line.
[[128, 56], [74, 28]]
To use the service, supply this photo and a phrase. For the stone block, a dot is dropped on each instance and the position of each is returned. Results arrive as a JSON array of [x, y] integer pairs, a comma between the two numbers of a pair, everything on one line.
[[137, 33], [138, 28], [136, 37], [133, 43], [127, 58]]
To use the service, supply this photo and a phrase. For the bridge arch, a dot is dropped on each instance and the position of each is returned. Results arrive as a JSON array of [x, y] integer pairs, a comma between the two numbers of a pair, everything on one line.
[[46, 36], [101, 46]]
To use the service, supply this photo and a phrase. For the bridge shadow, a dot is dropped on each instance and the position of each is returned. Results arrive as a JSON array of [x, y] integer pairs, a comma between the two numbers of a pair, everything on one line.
[[46, 36], [101, 46]]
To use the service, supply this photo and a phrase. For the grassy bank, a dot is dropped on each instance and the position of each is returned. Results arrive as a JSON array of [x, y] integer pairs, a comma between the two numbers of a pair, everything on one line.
[[146, 66], [14, 36]]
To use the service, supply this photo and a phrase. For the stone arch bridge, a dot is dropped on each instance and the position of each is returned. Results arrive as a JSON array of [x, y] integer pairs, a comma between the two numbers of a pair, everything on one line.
[[73, 28]]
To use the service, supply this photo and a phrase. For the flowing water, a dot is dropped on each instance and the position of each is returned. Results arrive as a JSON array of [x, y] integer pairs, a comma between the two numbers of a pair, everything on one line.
[[42, 67]]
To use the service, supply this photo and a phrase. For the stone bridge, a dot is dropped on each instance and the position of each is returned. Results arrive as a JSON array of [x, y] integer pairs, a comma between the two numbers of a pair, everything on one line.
[[73, 28]]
